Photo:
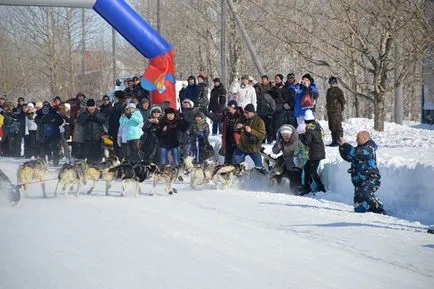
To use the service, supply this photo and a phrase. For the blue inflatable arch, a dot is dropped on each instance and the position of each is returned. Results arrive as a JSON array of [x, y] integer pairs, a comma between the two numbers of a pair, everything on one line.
[[159, 77]]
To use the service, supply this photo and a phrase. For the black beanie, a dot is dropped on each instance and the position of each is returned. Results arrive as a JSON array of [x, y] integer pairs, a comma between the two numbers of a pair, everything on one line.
[[90, 102]]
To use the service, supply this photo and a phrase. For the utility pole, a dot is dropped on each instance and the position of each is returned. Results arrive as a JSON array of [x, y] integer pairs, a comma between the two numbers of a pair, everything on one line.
[[83, 48], [158, 16], [114, 55], [223, 48], [246, 38]]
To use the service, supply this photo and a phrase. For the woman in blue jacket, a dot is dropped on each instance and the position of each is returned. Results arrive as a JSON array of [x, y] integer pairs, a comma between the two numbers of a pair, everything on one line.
[[132, 122], [307, 93]]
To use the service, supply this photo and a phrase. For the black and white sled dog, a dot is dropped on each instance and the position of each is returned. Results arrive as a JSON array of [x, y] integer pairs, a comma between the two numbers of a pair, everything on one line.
[[70, 175], [200, 174], [224, 175], [12, 191], [97, 171], [32, 170], [167, 176], [129, 173]]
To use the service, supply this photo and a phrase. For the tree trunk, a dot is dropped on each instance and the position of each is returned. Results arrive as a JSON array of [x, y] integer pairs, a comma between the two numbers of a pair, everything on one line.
[[398, 108], [379, 112]]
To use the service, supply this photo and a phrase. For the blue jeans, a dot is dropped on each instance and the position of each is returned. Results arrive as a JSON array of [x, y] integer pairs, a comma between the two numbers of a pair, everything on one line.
[[239, 157], [164, 156], [216, 125]]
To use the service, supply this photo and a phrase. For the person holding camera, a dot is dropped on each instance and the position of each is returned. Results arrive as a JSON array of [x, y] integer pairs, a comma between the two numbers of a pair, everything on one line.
[[249, 134], [131, 122], [365, 175]]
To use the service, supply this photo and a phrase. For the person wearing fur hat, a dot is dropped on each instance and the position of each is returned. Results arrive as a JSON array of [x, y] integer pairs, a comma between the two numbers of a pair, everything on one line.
[[250, 131], [92, 122], [292, 149], [312, 138], [335, 104], [131, 122], [48, 122], [217, 103], [200, 147], [149, 141], [168, 133]]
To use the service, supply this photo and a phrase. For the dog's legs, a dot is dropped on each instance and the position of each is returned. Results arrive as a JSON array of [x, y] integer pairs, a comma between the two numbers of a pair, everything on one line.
[[124, 188], [154, 184], [108, 185], [91, 189], [44, 193], [55, 191], [79, 185], [137, 189]]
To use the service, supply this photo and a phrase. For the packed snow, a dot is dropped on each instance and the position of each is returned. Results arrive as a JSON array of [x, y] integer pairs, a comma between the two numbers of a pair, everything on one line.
[[246, 237]]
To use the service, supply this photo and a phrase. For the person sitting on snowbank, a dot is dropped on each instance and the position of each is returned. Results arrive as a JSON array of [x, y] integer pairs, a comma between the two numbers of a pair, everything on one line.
[[365, 175]]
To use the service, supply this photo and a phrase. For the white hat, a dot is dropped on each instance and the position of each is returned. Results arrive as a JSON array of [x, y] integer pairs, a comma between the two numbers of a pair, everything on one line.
[[286, 129], [132, 105], [308, 115]]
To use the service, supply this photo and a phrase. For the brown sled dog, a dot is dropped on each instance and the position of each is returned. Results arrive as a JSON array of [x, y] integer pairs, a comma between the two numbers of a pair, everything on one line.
[[32, 170]]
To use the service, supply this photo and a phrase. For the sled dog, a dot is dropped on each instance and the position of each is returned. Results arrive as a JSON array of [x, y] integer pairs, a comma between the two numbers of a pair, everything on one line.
[[224, 175], [70, 175], [129, 173], [167, 175], [32, 170]]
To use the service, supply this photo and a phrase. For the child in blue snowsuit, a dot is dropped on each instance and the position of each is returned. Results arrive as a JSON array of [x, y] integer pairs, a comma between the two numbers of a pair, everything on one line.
[[365, 175]]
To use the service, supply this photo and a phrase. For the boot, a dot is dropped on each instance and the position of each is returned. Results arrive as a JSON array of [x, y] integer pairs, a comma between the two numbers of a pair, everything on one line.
[[334, 142]]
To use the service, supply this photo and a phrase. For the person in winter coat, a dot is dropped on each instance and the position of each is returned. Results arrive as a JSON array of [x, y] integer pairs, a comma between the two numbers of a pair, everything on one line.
[[78, 105], [48, 121], [244, 93], [307, 93], [168, 133], [143, 107], [106, 106], [365, 175], [287, 142], [92, 122], [312, 138], [149, 140], [113, 122], [191, 90], [266, 109], [32, 150], [217, 104], [132, 122], [229, 117], [202, 100], [335, 103], [185, 137], [251, 131], [200, 134], [65, 133]]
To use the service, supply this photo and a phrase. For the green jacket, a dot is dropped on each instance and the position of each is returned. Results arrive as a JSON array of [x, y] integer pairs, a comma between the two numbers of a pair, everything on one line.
[[251, 142]]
